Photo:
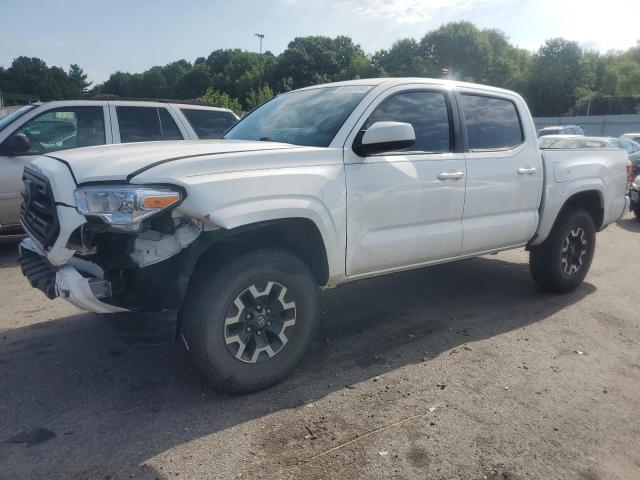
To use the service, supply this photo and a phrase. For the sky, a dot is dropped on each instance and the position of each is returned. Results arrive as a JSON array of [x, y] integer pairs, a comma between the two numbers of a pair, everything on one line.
[[133, 35]]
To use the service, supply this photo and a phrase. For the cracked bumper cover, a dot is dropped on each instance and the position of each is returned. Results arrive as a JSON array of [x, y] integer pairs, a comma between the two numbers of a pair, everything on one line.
[[65, 281]]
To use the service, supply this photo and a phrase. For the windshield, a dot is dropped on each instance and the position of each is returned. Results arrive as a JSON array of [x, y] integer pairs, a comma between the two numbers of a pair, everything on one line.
[[304, 117], [4, 121]]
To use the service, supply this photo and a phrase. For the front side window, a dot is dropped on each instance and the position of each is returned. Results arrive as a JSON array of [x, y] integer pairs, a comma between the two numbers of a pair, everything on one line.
[[492, 123], [64, 128], [427, 112], [304, 117], [146, 124], [13, 116], [209, 123]]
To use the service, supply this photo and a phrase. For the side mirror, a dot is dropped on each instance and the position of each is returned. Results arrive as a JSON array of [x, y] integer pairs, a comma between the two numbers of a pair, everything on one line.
[[384, 137], [17, 144]]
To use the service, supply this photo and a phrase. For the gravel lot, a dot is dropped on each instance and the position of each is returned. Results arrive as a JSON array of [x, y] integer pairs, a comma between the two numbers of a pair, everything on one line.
[[462, 371]]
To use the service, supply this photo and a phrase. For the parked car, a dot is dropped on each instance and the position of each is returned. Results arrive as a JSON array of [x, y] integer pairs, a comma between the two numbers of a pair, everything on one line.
[[632, 136], [632, 148], [230, 239], [45, 128], [548, 140], [634, 196], [561, 130]]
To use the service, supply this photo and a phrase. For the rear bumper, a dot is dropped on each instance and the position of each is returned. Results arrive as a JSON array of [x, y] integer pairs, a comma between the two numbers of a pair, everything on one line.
[[65, 281]]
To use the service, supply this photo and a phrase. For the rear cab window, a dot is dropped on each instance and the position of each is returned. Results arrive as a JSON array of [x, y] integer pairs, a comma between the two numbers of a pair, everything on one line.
[[209, 124], [492, 123], [146, 124]]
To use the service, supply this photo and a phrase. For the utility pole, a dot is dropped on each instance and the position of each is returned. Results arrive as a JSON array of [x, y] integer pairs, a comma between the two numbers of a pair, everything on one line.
[[260, 36]]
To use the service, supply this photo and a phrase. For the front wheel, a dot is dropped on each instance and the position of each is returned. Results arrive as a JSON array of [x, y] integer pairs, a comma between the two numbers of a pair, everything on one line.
[[562, 261], [248, 325]]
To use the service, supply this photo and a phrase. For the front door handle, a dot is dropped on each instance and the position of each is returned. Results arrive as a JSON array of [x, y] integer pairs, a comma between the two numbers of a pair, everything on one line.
[[526, 171], [450, 175]]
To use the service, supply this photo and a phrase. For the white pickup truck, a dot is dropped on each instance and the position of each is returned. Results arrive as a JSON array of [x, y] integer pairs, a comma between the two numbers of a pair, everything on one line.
[[315, 188]]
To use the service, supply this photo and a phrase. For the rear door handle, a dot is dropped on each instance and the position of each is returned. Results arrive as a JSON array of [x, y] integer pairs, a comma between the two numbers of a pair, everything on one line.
[[450, 175], [526, 171]]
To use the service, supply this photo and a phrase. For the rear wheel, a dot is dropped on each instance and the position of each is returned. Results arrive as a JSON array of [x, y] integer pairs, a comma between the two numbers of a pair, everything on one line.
[[562, 261], [249, 325]]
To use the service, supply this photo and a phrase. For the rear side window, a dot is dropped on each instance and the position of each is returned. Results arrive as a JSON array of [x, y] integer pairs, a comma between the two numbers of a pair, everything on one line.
[[209, 123], [146, 124], [492, 123], [426, 111]]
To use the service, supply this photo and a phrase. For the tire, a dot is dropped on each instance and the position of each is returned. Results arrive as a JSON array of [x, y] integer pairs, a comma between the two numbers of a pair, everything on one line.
[[562, 261], [636, 211], [240, 355]]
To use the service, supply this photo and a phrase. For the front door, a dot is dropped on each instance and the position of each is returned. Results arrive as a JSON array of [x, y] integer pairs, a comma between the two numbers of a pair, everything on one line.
[[404, 208], [57, 129]]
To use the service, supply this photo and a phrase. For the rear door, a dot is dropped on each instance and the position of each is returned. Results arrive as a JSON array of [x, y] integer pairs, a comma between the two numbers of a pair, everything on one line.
[[404, 208], [144, 123], [504, 171]]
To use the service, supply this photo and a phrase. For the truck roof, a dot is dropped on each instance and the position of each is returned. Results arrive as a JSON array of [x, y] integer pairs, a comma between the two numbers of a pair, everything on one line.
[[393, 81]]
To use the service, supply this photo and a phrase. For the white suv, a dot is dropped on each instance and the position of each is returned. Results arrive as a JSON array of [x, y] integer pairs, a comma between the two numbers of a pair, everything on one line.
[[43, 128]]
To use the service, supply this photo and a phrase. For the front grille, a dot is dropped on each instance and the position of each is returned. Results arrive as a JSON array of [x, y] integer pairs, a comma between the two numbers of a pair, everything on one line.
[[38, 211]]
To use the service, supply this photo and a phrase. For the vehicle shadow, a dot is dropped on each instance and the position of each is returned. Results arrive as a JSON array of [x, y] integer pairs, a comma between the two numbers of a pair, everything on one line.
[[630, 224], [9, 250], [112, 406]]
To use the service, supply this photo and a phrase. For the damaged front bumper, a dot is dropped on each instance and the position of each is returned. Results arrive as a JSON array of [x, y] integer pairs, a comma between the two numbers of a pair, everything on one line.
[[66, 281], [94, 267]]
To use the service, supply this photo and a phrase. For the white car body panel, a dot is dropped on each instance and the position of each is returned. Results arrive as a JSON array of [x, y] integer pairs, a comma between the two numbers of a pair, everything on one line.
[[573, 171], [375, 215]]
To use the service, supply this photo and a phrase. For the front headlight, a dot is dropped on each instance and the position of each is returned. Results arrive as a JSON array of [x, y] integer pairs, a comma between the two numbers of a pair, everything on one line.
[[636, 183], [124, 206]]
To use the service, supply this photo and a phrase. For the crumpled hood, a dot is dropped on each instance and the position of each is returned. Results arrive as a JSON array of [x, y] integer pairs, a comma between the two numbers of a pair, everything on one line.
[[125, 161]]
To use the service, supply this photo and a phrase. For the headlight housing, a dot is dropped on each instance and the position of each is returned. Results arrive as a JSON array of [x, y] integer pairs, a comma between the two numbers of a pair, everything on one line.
[[124, 206], [636, 183]]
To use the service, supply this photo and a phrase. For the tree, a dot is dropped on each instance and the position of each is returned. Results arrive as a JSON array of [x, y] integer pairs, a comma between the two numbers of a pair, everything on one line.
[[559, 78], [405, 58], [78, 78], [193, 83], [555, 74], [459, 47], [221, 99], [258, 97], [310, 59]]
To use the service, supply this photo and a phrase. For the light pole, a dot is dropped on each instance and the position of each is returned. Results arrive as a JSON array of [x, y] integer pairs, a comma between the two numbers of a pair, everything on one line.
[[260, 36]]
